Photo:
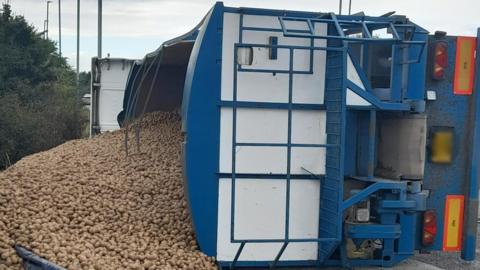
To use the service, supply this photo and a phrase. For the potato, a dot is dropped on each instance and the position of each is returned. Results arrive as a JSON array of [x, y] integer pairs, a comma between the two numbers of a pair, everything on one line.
[[86, 205]]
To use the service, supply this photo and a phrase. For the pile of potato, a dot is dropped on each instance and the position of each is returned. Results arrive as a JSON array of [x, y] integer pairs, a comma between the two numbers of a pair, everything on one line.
[[86, 205]]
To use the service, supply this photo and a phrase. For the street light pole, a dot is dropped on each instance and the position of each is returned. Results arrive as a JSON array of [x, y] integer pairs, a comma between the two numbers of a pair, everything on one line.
[[99, 28], [48, 12], [350, 7], [78, 44], [77, 88], [60, 27], [340, 7], [44, 29]]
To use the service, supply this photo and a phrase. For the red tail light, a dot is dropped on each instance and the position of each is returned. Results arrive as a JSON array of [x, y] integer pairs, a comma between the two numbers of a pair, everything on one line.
[[429, 227], [440, 60]]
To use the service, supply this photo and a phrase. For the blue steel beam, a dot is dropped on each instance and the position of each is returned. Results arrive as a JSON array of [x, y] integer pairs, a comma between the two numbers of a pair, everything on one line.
[[371, 189], [368, 96], [376, 231], [341, 35], [470, 232], [272, 105], [282, 240]]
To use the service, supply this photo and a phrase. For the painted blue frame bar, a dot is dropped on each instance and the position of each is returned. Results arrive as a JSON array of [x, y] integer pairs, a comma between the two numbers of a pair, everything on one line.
[[269, 176], [380, 105], [334, 20], [381, 184], [282, 240], [273, 105], [201, 124], [285, 144], [364, 231], [470, 232]]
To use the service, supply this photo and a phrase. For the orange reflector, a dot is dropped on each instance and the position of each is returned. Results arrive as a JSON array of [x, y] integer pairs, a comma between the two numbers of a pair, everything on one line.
[[464, 66], [452, 233]]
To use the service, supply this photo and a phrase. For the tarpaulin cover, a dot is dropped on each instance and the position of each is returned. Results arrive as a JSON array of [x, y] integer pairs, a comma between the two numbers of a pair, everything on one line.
[[156, 83], [31, 261]]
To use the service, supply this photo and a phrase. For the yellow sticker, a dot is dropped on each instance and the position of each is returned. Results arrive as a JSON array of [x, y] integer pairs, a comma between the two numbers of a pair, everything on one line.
[[464, 66], [453, 225]]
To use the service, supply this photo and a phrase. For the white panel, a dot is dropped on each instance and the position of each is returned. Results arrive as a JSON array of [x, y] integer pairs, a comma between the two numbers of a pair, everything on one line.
[[225, 139], [261, 159], [261, 21], [355, 100], [262, 125], [304, 205], [352, 74], [225, 249], [308, 127], [260, 203], [301, 60], [261, 55], [262, 87], [272, 22], [309, 158], [267, 87], [231, 24], [113, 81], [310, 88], [260, 208], [114, 73], [304, 208], [110, 103], [249, 159]]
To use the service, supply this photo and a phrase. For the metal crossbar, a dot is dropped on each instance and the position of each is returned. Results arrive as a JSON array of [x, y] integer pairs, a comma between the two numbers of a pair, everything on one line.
[[365, 28]]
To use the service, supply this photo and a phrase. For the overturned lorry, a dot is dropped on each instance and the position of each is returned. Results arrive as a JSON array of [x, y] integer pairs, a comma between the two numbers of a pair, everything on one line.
[[315, 139]]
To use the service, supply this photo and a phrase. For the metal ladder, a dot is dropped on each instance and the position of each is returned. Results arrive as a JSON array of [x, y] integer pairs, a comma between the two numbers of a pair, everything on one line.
[[331, 190]]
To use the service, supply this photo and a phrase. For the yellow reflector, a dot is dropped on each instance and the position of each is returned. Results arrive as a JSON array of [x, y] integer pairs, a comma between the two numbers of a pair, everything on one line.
[[464, 66], [452, 233], [442, 147]]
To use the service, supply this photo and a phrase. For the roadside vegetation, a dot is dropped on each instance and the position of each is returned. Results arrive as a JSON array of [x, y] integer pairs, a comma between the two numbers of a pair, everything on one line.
[[39, 104]]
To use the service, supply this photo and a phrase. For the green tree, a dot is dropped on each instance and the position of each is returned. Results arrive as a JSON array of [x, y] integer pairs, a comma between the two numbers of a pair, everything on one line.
[[38, 102], [84, 83]]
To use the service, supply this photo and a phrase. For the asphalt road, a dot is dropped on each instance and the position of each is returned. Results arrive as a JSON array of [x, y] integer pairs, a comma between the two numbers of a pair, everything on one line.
[[432, 261], [451, 261]]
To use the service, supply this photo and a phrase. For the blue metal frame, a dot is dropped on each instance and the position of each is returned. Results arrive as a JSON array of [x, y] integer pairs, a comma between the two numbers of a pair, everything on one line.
[[471, 205], [364, 25], [395, 198], [456, 112], [289, 144], [201, 122], [379, 185], [272, 105], [368, 95], [290, 106], [326, 244]]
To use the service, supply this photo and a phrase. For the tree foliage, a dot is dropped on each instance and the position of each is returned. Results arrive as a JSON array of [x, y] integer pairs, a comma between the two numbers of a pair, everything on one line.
[[38, 101]]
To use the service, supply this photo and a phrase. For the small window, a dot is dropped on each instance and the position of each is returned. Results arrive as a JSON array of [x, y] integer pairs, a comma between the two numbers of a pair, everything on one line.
[[380, 65], [245, 56]]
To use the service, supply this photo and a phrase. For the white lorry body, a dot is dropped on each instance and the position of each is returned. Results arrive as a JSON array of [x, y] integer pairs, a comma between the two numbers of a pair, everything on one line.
[[109, 79]]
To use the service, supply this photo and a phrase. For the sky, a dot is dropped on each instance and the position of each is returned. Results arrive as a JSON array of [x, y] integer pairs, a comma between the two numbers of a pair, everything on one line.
[[133, 28]]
